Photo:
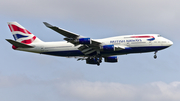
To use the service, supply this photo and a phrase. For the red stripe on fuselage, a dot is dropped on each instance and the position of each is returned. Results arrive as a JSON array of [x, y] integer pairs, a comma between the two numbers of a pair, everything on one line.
[[142, 37], [16, 28]]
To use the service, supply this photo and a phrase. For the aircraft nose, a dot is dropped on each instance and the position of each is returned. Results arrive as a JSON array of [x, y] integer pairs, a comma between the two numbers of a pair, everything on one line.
[[170, 43]]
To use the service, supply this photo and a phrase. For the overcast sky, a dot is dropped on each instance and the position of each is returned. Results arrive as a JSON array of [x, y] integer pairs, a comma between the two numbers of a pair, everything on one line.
[[136, 77]]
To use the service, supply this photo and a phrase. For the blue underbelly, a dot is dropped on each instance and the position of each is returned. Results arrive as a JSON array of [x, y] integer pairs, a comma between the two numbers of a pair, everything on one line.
[[120, 52]]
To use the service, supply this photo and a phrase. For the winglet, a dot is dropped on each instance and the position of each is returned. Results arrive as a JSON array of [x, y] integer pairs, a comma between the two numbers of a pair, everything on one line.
[[47, 24], [18, 44]]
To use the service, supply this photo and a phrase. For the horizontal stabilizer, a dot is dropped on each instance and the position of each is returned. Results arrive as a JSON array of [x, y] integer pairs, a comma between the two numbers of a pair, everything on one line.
[[18, 44]]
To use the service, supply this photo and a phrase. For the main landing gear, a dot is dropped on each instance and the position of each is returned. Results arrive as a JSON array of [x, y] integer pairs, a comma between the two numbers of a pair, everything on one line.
[[95, 59], [155, 56], [99, 61], [98, 58]]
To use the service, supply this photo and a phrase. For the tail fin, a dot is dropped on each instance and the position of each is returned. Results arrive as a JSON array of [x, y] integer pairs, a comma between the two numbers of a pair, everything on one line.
[[21, 34]]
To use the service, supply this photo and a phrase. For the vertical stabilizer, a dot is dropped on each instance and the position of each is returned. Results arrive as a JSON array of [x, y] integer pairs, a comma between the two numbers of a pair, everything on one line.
[[21, 34]]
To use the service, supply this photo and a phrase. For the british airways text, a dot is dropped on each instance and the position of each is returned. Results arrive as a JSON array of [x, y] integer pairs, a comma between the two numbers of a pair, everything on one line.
[[122, 41]]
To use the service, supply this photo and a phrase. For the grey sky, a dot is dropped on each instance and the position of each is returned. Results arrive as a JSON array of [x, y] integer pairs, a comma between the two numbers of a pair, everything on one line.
[[136, 77], [111, 14]]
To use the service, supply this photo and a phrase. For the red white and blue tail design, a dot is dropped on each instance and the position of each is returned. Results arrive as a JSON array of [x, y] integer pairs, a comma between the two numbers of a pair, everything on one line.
[[21, 34]]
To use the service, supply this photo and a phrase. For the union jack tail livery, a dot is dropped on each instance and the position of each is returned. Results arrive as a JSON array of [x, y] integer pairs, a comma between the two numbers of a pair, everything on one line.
[[21, 34]]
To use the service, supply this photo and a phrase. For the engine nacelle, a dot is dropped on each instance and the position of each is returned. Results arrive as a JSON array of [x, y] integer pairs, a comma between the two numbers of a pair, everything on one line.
[[84, 41], [111, 59], [91, 61], [108, 48]]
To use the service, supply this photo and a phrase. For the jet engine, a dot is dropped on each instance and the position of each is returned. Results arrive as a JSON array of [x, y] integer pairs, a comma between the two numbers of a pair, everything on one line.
[[84, 41], [111, 59], [108, 48]]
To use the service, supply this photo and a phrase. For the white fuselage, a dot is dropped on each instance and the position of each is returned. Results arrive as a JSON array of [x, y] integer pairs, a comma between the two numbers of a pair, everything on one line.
[[131, 45]]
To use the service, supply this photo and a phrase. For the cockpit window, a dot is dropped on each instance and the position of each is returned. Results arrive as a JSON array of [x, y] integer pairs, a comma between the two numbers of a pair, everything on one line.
[[159, 35]]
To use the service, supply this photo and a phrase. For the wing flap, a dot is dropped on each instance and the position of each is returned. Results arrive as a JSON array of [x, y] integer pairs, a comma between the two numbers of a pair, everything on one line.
[[117, 47], [86, 50]]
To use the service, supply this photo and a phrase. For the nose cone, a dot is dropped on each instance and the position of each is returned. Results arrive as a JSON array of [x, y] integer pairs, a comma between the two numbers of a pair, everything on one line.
[[170, 43]]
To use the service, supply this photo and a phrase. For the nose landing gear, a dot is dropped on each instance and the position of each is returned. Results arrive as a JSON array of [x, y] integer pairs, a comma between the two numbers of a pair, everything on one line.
[[155, 56]]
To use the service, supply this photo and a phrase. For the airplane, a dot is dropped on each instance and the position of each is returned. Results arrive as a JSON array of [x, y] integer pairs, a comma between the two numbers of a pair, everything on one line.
[[85, 48]]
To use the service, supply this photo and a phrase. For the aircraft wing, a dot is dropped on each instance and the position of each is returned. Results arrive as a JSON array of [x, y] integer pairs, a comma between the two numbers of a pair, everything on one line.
[[61, 31], [71, 37], [68, 34]]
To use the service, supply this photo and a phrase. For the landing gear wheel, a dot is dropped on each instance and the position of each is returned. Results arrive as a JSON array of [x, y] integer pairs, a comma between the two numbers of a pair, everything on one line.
[[155, 56], [98, 64], [100, 61]]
